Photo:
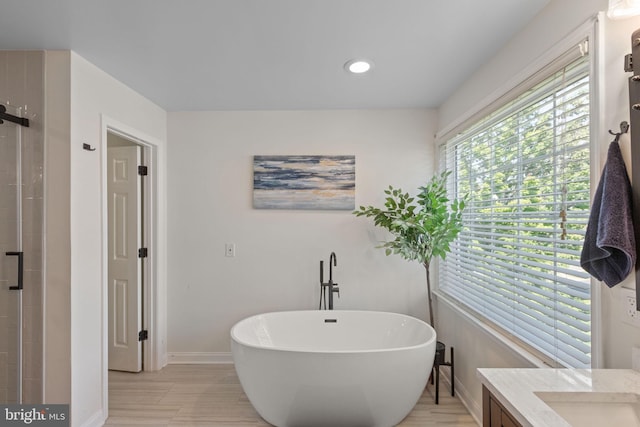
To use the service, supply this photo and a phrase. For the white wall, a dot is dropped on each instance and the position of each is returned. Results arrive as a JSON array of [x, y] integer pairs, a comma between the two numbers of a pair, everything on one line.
[[95, 94], [276, 266], [474, 347]]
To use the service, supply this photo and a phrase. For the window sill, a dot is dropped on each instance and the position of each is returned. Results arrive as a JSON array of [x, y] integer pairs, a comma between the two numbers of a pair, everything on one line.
[[530, 356]]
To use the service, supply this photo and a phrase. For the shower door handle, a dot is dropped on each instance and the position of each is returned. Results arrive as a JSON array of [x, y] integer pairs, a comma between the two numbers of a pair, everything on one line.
[[20, 256]]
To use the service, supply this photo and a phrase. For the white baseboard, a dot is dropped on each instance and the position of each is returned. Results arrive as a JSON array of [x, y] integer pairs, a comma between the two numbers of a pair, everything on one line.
[[97, 420], [199, 358], [474, 408]]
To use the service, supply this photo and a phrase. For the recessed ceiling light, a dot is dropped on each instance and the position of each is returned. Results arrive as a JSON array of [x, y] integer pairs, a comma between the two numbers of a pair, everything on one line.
[[357, 66]]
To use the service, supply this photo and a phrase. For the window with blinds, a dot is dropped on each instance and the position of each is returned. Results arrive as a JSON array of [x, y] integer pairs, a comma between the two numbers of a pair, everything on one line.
[[525, 170]]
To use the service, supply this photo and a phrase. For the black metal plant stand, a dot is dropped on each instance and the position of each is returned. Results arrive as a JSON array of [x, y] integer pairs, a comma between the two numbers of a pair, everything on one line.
[[439, 361]]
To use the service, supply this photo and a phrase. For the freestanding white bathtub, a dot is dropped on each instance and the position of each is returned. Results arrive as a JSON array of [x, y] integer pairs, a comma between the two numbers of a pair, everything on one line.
[[333, 368]]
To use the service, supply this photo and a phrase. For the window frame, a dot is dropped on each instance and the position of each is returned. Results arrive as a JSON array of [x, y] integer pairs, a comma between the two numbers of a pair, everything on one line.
[[532, 75]]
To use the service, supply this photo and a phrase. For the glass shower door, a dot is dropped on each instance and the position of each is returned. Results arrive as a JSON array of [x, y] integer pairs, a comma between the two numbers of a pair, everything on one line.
[[11, 259]]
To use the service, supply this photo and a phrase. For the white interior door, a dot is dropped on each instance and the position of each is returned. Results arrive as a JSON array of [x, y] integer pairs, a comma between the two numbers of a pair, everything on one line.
[[125, 269]]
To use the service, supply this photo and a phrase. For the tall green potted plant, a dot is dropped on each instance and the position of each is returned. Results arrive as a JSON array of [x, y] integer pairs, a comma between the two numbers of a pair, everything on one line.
[[423, 226]]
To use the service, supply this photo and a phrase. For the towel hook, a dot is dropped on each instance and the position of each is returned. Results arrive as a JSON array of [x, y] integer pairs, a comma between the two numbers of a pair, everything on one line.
[[624, 128]]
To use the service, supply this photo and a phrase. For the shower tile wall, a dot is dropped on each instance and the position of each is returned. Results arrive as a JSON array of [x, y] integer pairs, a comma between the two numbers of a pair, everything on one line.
[[22, 85], [8, 299]]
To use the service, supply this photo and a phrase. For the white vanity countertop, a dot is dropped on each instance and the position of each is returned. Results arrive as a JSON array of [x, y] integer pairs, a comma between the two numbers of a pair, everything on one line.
[[516, 388]]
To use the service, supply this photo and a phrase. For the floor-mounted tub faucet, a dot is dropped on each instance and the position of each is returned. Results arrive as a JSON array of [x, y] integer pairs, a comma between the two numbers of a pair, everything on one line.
[[335, 264], [329, 287]]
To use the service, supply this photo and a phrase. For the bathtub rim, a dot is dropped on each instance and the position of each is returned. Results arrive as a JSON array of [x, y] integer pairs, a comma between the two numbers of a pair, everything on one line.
[[431, 341]]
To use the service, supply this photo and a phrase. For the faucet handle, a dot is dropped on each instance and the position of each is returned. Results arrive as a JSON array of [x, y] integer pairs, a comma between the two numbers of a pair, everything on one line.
[[336, 289]]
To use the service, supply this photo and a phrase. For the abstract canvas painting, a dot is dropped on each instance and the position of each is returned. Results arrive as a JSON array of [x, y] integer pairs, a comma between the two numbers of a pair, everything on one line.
[[304, 182]]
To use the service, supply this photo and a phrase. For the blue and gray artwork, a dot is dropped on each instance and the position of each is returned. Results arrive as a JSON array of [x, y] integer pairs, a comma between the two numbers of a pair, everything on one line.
[[304, 182]]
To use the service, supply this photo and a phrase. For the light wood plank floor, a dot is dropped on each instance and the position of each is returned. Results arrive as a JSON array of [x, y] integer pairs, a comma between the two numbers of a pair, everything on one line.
[[210, 395]]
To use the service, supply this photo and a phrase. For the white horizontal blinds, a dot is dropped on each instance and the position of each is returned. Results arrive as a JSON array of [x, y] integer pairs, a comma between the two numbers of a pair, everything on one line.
[[525, 169]]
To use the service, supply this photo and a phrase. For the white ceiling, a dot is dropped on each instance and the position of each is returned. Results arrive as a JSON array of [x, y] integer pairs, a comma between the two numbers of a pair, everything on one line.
[[274, 54]]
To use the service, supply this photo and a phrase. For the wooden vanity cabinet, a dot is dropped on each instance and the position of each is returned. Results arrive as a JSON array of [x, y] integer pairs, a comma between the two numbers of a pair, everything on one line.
[[493, 413]]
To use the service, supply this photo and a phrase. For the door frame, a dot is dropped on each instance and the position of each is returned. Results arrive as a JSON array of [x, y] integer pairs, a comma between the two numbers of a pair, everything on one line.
[[154, 269]]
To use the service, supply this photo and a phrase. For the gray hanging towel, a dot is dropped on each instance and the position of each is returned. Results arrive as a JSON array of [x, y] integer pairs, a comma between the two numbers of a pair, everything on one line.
[[609, 251]]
